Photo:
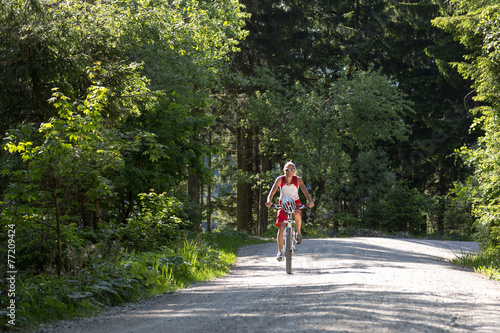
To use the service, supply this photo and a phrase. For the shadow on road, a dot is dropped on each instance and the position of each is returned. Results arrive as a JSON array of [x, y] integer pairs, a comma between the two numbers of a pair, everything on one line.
[[419, 251], [338, 285], [311, 308]]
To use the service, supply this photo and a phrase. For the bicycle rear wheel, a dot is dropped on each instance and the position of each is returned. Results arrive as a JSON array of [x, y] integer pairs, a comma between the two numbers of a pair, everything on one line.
[[288, 249]]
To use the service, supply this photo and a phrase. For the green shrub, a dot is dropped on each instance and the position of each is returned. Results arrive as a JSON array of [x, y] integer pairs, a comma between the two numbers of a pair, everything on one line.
[[400, 210], [161, 219]]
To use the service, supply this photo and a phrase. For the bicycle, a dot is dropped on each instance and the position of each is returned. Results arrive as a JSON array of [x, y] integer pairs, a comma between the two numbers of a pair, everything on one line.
[[289, 234]]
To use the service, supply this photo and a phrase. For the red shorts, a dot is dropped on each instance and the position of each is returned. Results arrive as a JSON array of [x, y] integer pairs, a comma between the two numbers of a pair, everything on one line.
[[282, 216]]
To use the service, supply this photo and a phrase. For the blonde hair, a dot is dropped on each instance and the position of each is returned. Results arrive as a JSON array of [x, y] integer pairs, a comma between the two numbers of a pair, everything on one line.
[[288, 163]]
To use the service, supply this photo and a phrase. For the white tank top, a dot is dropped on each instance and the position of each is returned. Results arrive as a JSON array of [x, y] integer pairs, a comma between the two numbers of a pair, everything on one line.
[[291, 190]]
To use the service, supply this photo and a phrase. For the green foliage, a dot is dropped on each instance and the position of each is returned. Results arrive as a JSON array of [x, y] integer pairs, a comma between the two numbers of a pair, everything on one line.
[[129, 84], [476, 26], [160, 220], [370, 176], [47, 44], [485, 263], [458, 219], [336, 129], [113, 276], [65, 170], [400, 209]]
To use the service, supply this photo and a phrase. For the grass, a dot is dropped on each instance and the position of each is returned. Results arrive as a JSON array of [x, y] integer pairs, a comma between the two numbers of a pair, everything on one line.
[[483, 263], [129, 278]]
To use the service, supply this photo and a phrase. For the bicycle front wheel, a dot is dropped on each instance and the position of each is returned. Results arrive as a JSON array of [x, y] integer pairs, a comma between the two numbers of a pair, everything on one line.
[[288, 249]]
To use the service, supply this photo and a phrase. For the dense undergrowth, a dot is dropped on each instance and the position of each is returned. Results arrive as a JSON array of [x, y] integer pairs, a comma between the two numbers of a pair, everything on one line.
[[113, 276]]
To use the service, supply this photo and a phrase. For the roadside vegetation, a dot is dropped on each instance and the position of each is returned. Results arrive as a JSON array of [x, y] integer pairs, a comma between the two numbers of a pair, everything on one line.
[[484, 263], [111, 273]]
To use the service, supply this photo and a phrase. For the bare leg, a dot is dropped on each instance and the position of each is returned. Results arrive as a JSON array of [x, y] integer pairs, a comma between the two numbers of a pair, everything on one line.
[[279, 237], [298, 220]]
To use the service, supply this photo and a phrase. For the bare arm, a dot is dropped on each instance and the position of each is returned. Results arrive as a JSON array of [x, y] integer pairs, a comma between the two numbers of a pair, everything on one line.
[[303, 187], [276, 184]]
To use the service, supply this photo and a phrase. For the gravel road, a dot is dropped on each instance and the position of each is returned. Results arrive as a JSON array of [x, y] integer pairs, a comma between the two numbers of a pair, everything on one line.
[[337, 285]]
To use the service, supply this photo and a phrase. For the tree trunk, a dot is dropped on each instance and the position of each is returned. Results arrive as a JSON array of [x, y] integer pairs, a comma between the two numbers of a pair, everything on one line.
[[240, 191], [440, 216], [194, 195], [97, 214], [243, 195], [209, 188], [86, 214], [265, 165], [209, 207], [58, 213]]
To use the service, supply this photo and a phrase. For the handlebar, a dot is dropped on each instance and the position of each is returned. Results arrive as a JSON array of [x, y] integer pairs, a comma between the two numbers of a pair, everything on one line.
[[278, 207]]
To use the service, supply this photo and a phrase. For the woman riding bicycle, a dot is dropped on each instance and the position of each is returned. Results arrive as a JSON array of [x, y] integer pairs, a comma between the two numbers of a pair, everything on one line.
[[289, 186]]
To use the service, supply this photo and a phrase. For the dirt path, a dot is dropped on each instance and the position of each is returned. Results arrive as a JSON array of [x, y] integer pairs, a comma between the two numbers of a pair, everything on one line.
[[337, 285]]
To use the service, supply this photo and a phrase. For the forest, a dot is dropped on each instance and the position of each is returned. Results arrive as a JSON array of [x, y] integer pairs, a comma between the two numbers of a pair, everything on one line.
[[127, 124]]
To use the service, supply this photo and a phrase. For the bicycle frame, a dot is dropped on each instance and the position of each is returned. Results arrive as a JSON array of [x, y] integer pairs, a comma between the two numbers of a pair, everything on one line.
[[289, 238]]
